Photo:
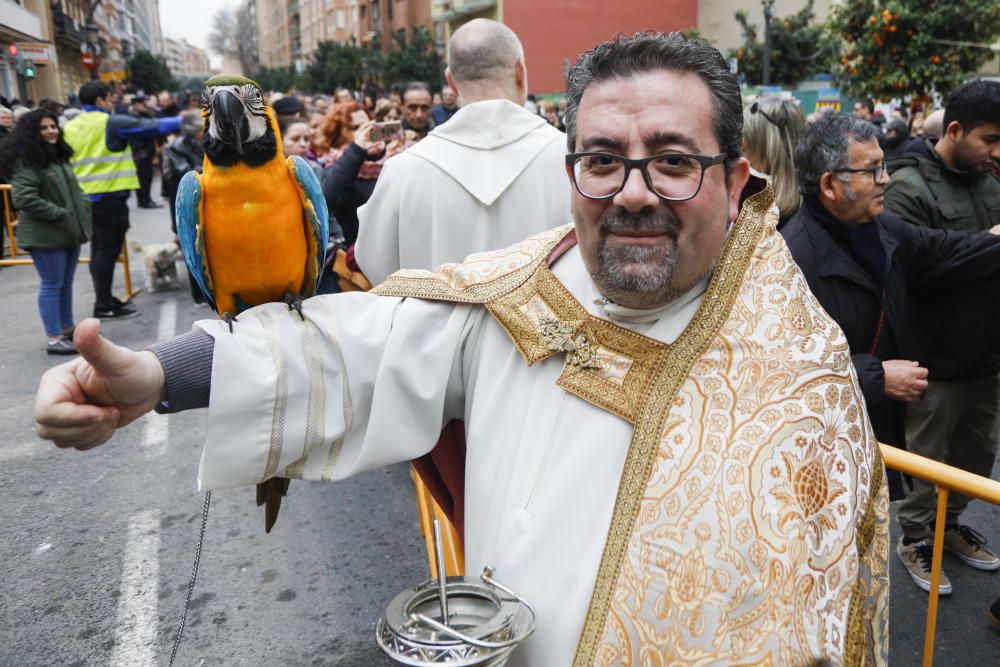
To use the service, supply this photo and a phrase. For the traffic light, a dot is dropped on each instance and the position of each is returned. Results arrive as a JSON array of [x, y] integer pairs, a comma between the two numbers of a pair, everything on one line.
[[29, 69], [13, 53]]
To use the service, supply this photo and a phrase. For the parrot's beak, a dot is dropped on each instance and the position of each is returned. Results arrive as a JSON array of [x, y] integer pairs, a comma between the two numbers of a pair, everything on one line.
[[229, 119]]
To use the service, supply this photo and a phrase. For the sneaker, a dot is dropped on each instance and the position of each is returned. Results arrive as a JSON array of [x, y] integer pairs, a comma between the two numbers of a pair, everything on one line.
[[970, 547], [60, 346], [117, 311], [917, 558]]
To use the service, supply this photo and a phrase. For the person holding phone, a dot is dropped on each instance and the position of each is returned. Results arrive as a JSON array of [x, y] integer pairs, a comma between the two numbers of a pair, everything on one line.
[[353, 163]]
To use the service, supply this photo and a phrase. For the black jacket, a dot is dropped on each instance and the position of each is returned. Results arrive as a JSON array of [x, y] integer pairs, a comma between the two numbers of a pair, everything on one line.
[[916, 258], [345, 192], [926, 192]]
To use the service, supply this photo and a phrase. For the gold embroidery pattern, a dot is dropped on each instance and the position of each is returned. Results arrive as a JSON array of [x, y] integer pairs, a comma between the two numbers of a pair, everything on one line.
[[563, 337], [481, 278], [764, 500], [674, 367], [868, 618], [627, 360]]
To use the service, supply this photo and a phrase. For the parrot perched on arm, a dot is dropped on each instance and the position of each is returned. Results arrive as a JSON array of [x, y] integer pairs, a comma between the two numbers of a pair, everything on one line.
[[253, 226]]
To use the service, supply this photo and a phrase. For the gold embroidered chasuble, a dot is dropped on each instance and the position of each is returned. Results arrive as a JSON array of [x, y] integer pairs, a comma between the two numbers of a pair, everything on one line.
[[751, 521]]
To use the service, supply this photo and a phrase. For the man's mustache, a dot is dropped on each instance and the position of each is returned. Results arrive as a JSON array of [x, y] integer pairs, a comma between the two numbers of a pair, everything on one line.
[[619, 220]]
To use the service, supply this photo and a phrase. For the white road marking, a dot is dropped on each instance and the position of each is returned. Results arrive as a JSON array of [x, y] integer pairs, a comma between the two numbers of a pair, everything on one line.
[[137, 617], [167, 327], [156, 428]]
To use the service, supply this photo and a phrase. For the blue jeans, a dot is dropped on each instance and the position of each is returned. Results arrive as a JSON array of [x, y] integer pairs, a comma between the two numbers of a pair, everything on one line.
[[55, 267]]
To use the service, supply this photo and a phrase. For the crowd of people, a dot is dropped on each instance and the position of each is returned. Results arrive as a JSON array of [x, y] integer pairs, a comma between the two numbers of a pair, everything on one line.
[[893, 226]]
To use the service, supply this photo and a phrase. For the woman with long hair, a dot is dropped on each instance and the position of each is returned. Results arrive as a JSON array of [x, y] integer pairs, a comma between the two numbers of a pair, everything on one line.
[[54, 219], [337, 129], [771, 128]]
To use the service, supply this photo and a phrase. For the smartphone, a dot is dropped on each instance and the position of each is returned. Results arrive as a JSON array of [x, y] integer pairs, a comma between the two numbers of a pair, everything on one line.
[[386, 131]]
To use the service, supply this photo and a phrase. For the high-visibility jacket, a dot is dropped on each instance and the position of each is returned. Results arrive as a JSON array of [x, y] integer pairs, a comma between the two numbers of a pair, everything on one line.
[[98, 169]]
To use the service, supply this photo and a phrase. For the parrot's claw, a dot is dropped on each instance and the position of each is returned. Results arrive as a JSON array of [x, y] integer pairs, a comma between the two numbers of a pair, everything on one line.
[[228, 319], [294, 302]]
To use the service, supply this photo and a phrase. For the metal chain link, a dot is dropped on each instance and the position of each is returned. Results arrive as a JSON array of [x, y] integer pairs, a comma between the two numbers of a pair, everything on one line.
[[194, 576]]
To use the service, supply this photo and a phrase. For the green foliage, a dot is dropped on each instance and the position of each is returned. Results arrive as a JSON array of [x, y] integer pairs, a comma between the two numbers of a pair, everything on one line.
[[893, 49], [414, 60], [149, 73], [281, 79], [336, 64], [345, 64], [799, 49]]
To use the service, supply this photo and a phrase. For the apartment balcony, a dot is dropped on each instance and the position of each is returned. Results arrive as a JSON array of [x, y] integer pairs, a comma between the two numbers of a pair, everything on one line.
[[451, 10], [66, 29]]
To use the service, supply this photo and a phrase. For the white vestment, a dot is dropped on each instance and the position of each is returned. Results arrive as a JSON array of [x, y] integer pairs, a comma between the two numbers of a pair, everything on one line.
[[491, 176], [768, 537]]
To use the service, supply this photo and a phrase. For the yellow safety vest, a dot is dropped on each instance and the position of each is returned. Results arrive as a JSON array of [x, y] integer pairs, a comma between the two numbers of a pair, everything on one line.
[[97, 169]]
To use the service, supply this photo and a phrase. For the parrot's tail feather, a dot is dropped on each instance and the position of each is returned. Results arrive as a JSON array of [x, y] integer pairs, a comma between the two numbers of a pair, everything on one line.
[[269, 494]]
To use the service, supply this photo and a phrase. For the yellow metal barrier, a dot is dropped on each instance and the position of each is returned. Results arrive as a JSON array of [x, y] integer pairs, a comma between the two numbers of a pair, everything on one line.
[[948, 478], [10, 223]]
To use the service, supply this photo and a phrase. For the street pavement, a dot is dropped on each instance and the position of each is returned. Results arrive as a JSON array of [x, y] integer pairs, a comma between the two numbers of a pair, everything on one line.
[[98, 546]]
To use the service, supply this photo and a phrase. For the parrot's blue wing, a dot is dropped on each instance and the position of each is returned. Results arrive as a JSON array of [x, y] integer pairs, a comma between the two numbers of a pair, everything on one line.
[[316, 218], [192, 234]]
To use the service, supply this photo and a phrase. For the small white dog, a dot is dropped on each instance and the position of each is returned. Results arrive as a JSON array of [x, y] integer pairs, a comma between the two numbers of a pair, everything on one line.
[[160, 264]]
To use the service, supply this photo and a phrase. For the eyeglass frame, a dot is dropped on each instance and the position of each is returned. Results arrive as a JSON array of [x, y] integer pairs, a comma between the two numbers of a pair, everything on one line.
[[882, 168], [642, 164], [756, 108]]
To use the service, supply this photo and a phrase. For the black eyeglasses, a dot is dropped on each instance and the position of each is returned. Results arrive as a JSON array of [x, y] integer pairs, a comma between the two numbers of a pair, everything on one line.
[[877, 172], [755, 108], [670, 176]]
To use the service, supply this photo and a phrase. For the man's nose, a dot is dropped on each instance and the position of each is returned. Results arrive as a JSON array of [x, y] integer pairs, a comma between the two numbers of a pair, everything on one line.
[[635, 195]]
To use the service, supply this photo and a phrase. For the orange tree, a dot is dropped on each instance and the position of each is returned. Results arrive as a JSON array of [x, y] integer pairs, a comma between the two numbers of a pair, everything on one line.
[[799, 48], [902, 48]]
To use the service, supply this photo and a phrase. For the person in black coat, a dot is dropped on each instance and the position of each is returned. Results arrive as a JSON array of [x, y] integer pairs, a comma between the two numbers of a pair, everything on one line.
[[861, 261]]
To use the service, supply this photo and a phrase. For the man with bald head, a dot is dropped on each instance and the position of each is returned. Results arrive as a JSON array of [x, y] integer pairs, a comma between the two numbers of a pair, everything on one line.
[[493, 175]]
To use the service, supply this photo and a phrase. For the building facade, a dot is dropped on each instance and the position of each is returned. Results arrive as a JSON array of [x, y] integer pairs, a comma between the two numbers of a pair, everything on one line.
[[288, 31], [185, 60]]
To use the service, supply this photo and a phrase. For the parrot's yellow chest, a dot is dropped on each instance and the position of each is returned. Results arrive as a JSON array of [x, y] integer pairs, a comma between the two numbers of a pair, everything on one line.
[[254, 232]]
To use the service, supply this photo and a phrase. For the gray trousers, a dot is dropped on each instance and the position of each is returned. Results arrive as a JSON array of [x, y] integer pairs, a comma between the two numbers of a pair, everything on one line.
[[956, 422]]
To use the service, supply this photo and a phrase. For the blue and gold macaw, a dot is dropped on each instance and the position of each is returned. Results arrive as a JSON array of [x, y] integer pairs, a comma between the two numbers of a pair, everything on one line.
[[253, 226]]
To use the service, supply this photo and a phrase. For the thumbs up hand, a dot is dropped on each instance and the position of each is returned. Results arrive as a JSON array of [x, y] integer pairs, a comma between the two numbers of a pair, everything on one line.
[[80, 404]]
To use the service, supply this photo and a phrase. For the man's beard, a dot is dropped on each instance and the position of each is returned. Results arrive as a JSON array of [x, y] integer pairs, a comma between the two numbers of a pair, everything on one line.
[[964, 161], [629, 273]]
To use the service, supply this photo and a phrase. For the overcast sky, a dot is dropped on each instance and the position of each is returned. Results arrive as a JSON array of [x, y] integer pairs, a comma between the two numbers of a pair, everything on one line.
[[192, 20]]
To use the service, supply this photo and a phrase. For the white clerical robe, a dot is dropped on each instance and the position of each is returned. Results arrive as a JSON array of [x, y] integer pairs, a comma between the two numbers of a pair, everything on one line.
[[755, 533], [491, 176]]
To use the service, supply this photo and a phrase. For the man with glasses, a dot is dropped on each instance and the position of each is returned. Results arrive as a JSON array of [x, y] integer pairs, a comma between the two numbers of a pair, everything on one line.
[[863, 264], [664, 448], [950, 185]]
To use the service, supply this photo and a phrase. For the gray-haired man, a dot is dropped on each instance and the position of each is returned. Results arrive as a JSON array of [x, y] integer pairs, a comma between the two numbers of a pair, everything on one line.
[[863, 263]]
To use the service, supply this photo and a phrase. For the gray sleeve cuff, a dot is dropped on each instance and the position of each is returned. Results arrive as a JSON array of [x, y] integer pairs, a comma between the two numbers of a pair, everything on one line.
[[187, 367]]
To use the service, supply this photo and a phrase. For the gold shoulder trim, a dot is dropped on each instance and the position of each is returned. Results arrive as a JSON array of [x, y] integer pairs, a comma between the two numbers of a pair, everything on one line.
[[671, 370], [606, 365], [481, 278]]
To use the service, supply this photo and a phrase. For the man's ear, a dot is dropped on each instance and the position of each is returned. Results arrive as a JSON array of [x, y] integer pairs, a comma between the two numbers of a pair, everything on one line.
[[739, 174], [827, 188], [954, 131], [521, 75], [451, 81]]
